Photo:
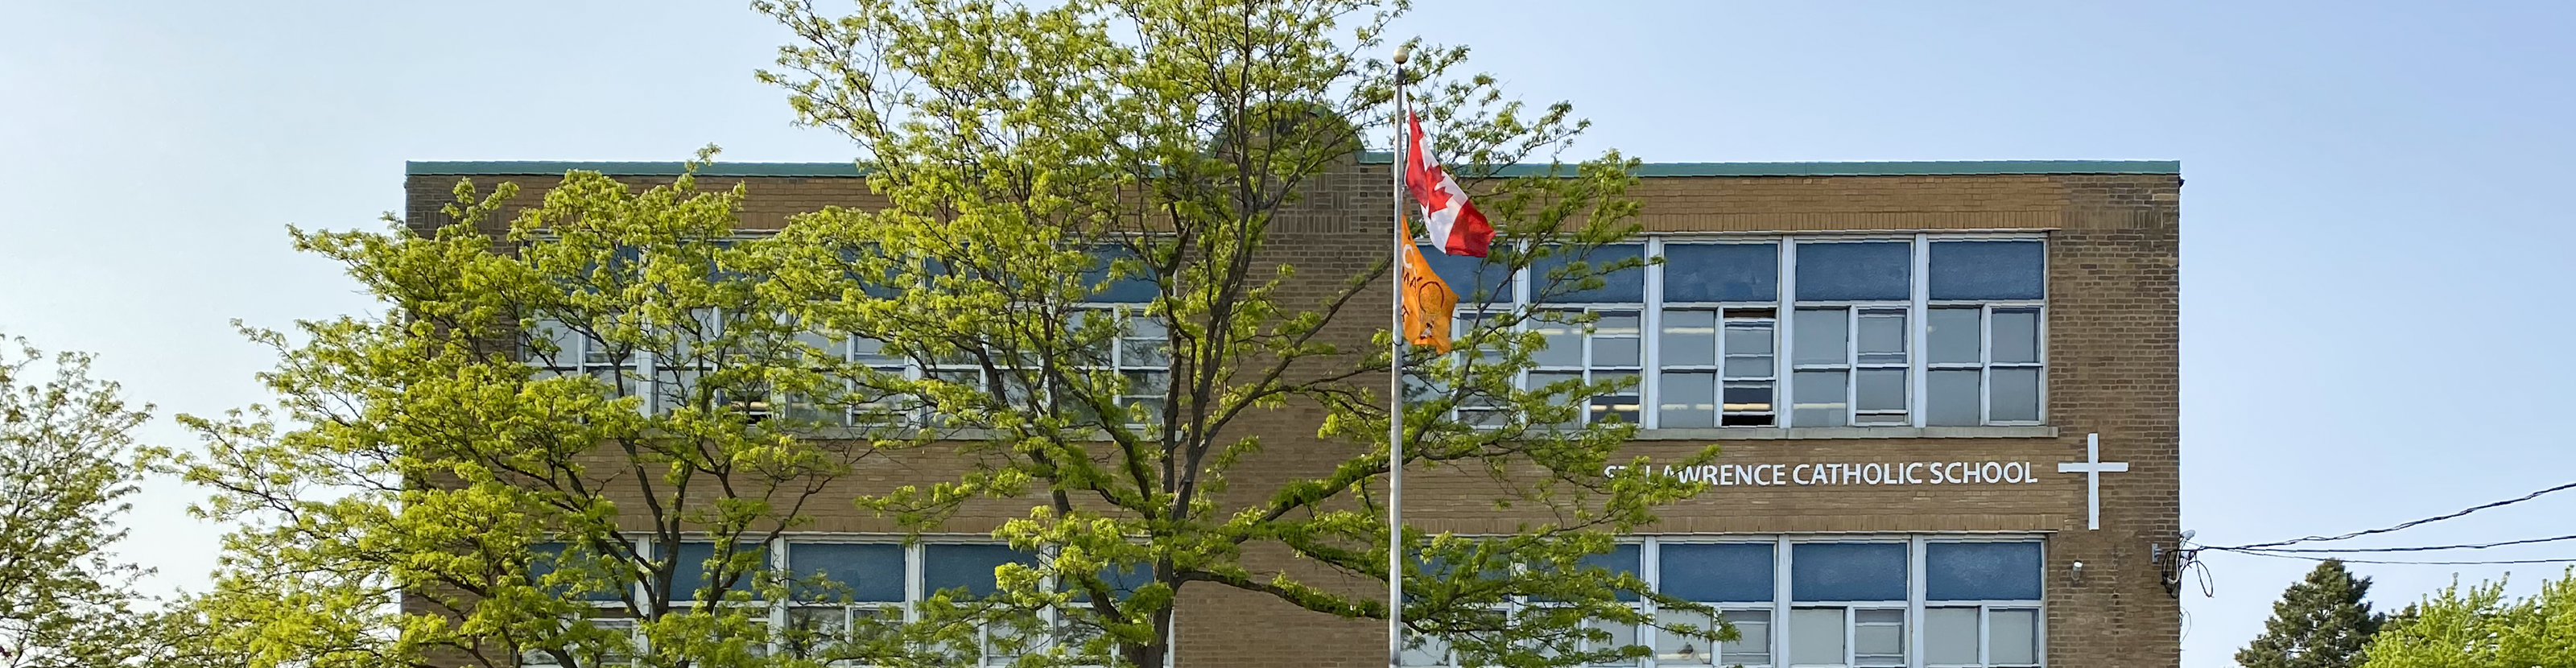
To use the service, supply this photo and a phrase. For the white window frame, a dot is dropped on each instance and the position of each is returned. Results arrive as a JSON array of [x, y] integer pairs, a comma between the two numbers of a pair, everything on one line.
[[1782, 603]]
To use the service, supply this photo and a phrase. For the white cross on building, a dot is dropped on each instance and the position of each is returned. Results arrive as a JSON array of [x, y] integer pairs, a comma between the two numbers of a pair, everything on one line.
[[2092, 467]]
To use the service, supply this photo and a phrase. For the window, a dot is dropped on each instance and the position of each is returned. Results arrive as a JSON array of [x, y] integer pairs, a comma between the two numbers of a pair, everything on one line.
[[576, 353], [1717, 338], [1983, 335], [1736, 578], [1848, 351], [1932, 330], [1837, 603], [1593, 335], [1606, 349]]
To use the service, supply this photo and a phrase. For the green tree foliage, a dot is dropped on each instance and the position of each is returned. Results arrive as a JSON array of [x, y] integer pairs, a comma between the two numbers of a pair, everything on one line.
[[1179, 134], [2480, 628], [466, 477], [2320, 622], [65, 467]]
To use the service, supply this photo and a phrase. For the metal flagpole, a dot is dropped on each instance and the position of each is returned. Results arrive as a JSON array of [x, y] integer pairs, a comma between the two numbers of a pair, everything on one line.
[[1395, 395]]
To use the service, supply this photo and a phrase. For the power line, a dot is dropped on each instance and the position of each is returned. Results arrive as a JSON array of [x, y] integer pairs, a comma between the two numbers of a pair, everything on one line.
[[2427, 520], [2416, 563], [2420, 548]]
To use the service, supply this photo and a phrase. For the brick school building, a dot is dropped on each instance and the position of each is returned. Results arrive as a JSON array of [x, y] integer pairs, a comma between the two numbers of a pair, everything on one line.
[[1947, 395]]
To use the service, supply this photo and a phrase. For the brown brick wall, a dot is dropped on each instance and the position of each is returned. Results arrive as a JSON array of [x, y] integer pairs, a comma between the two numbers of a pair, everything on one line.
[[2113, 369]]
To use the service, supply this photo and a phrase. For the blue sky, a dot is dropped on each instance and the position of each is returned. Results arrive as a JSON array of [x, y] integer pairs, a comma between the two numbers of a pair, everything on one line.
[[2374, 226]]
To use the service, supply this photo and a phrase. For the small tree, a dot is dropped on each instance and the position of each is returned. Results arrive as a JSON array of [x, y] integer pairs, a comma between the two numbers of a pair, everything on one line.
[[2320, 622], [65, 466], [2480, 628]]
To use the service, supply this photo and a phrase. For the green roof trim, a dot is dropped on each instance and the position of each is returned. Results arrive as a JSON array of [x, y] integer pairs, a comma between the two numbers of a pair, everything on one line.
[[557, 168], [1652, 169], [1916, 168]]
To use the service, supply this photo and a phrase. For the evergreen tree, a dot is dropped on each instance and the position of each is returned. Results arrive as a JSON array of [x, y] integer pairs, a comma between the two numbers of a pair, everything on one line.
[[2321, 622]]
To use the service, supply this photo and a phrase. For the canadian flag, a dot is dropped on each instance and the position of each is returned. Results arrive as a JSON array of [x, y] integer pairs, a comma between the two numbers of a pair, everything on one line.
[[1455, 223]]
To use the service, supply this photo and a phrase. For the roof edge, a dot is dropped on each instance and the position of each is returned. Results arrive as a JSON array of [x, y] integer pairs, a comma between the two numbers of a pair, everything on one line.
[[1651, 169]]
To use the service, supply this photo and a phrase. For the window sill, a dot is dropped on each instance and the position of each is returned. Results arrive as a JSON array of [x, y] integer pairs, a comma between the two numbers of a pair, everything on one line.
[[1774, 433]]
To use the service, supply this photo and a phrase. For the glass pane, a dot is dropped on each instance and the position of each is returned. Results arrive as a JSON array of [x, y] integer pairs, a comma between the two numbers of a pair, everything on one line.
[[1855, 271], [1621, 406], [1626, 285], [1690, 338], [1981, 571], [1748, 397], [1753, 642], [1717, 572], [967, 566], [870, 572], [1687, 400], [1820, 334], [810, 630], [1622, 558], [1951, 335], [1882, 335], [1749, 366], [1819, 400], [1564, 342], [1950, 398], [691, 573], [1430, 651], [1847, 572], [869, 351], [1131, 286], [1816, 636], [1988, 270], [1880, 642], [1881, 389], [2016, 336], [1621, 635], [1616, 353], [2016, 395], [1144, 344], [1949, 636], [1748, 338], [1676, 649], [1721, 272], [1475, 280], [1615, 324], [2012, 637]]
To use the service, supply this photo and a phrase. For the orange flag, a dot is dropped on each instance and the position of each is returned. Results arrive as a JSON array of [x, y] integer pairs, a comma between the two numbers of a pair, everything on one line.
[[1428, 302]]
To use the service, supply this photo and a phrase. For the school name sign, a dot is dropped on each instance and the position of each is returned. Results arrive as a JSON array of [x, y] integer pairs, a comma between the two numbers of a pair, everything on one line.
[[1871, 473]]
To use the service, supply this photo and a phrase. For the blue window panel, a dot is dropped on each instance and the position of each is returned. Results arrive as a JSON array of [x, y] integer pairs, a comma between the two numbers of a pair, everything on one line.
[[1855, 271], [1989, 270], [544, 561], [691, 573], [1721, 272], [967, 566], [1622, 558], [1626, 285], [1847, 572], [1981, 571], [1717, 572], [873, 573], [1121, 581], [1476, 279], [1128, 289]]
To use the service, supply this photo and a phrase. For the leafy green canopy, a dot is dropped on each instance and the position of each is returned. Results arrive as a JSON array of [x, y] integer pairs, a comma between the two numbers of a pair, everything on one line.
[[619, 367], [2480, 628], [65, 466]]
